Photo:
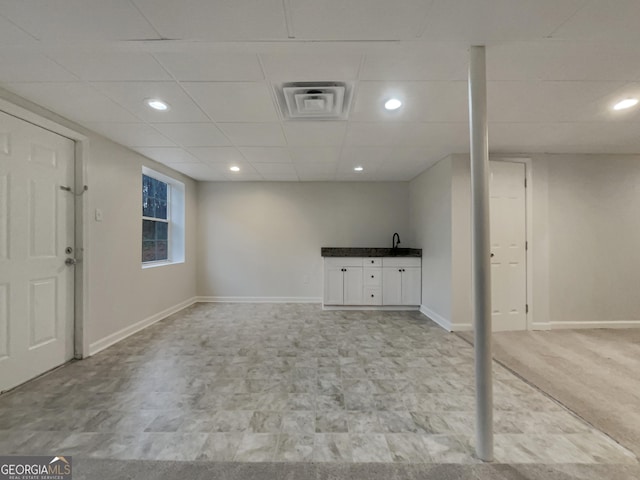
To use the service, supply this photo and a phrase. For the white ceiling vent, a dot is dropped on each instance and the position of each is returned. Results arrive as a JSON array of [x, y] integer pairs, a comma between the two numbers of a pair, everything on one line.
[[315, 100]]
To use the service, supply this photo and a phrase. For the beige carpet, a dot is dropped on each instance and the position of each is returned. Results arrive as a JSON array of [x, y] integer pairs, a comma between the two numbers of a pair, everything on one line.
[[595, 373]]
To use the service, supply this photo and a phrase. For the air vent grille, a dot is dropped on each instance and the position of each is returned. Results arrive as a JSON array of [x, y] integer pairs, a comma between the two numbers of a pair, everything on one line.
[[314, 100]]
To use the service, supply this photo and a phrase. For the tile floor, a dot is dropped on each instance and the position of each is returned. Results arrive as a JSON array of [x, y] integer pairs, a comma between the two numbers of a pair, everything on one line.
[[289, 383]]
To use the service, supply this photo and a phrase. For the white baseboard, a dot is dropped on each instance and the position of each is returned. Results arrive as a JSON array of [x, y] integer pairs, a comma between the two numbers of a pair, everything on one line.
[[109, 340], [436, 317], [379, 308], [611, 324], [259, 299], [540, 326]]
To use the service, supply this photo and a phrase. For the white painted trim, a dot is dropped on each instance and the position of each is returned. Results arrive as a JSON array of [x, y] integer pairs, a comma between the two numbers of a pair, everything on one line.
[[379, 308], [30, 112], [259, 299], [437, 318], [114, 338], [528, 209], [541, 326], [611, 324]]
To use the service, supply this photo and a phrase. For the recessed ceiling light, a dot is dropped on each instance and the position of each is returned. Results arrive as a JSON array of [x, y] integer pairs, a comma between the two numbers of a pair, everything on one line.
[[157, 104], [235, 168], [392, 104], [626, 103], [358, 169]]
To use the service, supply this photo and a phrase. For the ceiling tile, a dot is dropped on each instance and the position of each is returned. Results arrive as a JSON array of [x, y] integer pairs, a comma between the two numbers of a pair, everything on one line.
[[316, 172], [487, 22], [276, 170], [254, 134], [167, 154], [79, 20], [11, 35], [296, 67], [76, 101], [104, 65], [132, 134], [603, 21], [21, 66], [266, 154], [311, 134], [132, 95], [555, 60], [315, 154], [193, 134], [224, 155], [220, 20], [438, 62], [199, 171], [377, 134], [365, 155], [547, 101], [421, 102], [205, 66], [358, 19], [234, 102]]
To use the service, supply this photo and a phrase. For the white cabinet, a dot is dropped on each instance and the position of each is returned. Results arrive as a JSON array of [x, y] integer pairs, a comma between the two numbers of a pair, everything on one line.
[[343, 281], [401, 281], [388, 281]]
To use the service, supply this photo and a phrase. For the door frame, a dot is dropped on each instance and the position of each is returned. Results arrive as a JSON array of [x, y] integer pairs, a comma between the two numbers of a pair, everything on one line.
[[528, 211], [40, 117]]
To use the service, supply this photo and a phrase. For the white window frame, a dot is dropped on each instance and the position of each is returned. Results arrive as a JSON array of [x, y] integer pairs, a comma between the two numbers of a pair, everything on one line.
[[175, 219]]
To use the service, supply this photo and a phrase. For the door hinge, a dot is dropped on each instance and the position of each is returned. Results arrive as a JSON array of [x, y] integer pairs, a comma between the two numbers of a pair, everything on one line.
[[526, 245], [525, 183], [526, 308]]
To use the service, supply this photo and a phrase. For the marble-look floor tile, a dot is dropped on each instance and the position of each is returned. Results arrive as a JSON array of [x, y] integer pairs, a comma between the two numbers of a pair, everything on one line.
[[299, 422], [407, 448], [257, 447], [231, 421], [448, 449], [332, 447], [370, 447], [220, 447], [397, 422], [266, 422], [363, 422], [331, 421], [295, 447]]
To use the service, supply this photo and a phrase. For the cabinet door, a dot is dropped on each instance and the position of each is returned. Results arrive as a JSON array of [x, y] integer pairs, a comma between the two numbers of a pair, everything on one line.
[[411, 286], [353, 286], [333, 285], [391, 286]]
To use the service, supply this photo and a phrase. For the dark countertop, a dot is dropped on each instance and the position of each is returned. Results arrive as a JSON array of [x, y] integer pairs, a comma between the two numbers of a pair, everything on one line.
[[370, 252]]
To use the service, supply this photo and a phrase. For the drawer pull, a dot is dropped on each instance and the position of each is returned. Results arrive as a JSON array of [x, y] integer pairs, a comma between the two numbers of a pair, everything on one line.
[[372, 295], [371, 276]]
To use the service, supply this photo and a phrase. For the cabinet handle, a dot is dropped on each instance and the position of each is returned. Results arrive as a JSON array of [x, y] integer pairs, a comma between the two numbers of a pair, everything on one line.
[[372, 295], [371, 276], [399, 269], [371, 261]]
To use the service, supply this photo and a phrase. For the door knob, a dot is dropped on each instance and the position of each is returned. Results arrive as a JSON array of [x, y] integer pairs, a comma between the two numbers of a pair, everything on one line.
[[70, 261], [492, 255]]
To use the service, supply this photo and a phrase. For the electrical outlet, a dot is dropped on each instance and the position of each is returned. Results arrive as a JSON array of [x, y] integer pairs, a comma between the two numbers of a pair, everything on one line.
[[98, 215]]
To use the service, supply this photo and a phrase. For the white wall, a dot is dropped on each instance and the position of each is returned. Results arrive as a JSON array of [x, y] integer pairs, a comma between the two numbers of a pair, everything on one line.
[[594, 237], [430, 206], [263, 239], [121, 292], [120, 295]]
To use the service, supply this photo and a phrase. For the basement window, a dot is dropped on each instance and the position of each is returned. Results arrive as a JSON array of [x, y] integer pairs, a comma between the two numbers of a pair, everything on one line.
[[162, 219]]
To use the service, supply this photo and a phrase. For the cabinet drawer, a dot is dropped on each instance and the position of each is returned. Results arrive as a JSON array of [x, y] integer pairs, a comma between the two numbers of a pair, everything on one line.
[[343, 261], [401, 261], [372, 296], [373, 262], [373, 277]]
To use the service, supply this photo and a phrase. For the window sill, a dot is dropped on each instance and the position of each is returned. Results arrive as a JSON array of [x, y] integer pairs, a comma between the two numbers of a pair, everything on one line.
[[160, 264]]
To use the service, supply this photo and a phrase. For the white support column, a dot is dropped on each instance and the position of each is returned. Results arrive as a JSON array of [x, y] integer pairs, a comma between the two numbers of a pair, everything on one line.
[[480, 240]]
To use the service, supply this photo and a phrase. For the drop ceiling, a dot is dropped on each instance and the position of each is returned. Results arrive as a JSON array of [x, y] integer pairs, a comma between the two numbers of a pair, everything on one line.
[[555, 67]]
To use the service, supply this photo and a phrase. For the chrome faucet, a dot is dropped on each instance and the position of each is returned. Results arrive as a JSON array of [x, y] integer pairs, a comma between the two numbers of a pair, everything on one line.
[[393, 241]]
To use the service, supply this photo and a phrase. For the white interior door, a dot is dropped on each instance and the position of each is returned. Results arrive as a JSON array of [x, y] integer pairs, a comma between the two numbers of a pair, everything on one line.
[[36, 226], [508, 246]]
